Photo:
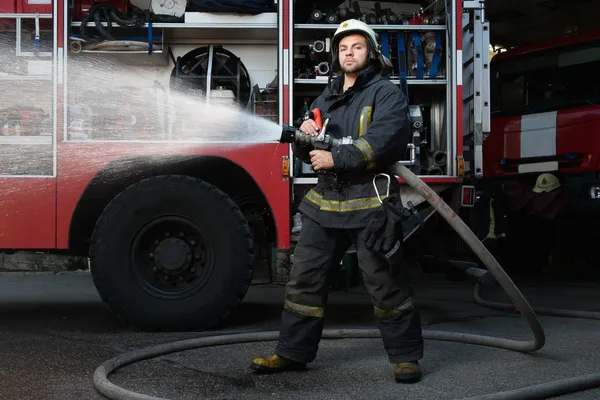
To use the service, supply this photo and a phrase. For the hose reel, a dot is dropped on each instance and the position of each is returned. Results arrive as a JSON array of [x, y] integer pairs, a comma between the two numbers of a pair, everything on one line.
[[211, 69]]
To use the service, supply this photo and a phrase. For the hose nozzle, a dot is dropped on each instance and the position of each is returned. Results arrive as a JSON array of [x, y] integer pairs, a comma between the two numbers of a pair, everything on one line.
[[288, 134]]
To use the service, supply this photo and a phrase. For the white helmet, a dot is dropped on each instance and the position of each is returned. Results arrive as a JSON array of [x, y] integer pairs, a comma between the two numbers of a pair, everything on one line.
[[353, 26]]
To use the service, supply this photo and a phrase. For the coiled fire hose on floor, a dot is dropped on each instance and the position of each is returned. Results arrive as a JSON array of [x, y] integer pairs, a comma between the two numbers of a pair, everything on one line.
[[541, 391]]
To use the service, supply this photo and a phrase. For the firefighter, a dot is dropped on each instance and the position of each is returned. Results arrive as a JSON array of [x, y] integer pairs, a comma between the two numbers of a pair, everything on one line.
[[337, 212]]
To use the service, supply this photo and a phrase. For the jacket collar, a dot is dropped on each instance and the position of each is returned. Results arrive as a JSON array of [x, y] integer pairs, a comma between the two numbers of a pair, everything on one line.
[[365, 78]]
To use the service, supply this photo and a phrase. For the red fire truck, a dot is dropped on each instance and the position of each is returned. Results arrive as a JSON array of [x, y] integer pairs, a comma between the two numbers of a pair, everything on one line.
[[544, 113], [177, 221], [542, 110]]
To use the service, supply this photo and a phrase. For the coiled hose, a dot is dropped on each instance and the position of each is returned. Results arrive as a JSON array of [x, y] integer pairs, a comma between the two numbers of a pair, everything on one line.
[[545, 390], [99, 13]]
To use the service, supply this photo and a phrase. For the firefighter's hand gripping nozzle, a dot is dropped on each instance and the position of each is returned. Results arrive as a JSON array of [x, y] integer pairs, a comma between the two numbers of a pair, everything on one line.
[[322, 141]]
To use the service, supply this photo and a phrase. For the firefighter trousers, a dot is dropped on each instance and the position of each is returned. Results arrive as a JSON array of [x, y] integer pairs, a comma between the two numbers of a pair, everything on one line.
[[318, 249]]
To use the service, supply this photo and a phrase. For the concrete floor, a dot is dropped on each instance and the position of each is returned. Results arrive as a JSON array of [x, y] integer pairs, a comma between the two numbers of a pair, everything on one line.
[[55, 331]]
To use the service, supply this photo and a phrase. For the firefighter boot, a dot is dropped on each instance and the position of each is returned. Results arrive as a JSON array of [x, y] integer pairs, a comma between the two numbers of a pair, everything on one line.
[[275, 363], [407, 372]]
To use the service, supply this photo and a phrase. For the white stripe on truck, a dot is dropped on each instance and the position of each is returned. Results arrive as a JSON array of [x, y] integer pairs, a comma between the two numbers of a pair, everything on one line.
[[538, 167], [538, 134]]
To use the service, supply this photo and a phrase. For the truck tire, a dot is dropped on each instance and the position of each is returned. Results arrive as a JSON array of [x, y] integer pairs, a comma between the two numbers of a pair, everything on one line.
[[172, 253]]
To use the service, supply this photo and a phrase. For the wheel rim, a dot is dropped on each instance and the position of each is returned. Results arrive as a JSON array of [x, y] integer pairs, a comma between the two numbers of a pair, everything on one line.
[[172, 257]]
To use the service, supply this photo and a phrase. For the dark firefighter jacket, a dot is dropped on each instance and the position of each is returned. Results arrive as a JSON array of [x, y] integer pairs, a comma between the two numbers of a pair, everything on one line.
[[374, 111]]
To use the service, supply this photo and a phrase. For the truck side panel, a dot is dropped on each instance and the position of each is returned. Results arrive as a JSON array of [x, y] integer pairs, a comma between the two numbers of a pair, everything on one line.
[[28, 213], [80, 162]]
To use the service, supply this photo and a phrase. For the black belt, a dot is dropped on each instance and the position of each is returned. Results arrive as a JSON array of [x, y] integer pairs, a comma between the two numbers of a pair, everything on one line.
[[330, 180]]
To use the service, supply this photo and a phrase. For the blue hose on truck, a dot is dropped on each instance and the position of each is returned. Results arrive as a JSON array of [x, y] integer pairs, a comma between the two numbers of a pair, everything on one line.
[[528, 313]]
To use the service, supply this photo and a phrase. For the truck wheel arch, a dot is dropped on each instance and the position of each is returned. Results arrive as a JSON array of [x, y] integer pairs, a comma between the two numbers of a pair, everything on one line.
[[120, 174]]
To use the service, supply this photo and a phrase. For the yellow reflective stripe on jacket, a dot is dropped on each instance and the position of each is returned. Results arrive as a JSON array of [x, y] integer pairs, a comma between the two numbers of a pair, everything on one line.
[[367, 152], [301, 309], [365, 120], [492, 228], [363, 203], [400, 309]]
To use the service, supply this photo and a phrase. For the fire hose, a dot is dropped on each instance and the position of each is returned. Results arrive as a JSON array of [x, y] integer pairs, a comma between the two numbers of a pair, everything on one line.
[[104, 13], [519, 304]]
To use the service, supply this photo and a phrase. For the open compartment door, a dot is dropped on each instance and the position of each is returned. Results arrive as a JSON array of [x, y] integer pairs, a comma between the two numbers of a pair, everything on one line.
[[28, 81]]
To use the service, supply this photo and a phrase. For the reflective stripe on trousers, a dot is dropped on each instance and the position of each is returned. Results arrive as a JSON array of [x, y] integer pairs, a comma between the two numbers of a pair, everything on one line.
[[304, 310]]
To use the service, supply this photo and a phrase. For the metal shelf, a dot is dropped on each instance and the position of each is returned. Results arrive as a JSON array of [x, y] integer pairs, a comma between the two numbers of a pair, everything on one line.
[[422, 81], [377, 27], [200, 20], [24, 16], [122, 51], [42, 139], [409, 81], [25, 78], [315, 81], [190, 25], [305, 181]]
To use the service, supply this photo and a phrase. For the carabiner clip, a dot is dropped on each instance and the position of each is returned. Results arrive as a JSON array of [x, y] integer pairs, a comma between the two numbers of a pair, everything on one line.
[[389, 181], [321, 135]]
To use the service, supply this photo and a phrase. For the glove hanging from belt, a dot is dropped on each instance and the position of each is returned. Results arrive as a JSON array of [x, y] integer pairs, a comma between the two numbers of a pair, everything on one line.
[[384, 232]]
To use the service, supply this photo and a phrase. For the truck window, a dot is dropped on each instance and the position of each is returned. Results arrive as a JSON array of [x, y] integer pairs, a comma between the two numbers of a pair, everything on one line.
[[546, 81]]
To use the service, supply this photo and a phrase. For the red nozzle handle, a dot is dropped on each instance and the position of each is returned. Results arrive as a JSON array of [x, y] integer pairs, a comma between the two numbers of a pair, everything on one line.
[[315, 115]]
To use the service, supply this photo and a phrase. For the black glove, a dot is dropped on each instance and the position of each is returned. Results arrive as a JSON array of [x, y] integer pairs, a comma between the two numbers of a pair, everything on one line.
[[385, 229]]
